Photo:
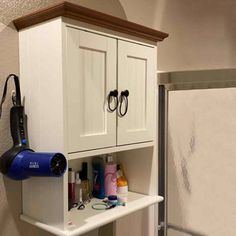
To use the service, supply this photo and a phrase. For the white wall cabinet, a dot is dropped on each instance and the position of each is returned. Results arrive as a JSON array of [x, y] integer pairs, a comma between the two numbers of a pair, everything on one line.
[[96, 65], [71, 58]]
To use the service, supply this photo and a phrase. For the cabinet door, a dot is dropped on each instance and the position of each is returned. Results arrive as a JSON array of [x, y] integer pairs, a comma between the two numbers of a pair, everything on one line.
[[136, 73], [90, 75]]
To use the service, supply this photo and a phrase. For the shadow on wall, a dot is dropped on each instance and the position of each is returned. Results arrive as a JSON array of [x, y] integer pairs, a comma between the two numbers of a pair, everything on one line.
[[142, 11], [201, 34], [10, 10], [10, 200], [10, 223]]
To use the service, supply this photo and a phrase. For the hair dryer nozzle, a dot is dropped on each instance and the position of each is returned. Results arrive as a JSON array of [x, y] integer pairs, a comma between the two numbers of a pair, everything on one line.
[[29, 164]]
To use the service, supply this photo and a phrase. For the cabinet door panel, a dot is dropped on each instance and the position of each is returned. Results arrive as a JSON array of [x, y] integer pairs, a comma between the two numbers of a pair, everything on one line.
[[136, 71], [91, 74]]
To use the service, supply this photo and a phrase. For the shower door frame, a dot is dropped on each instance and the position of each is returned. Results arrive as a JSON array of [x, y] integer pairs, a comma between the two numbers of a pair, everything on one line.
[[218, 79]]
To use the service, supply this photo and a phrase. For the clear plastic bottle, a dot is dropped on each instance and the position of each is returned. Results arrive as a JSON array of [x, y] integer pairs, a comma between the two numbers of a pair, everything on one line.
[[85, 186], [78, 189]]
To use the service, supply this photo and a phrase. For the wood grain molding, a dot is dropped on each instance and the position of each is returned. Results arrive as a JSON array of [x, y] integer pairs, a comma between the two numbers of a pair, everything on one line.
[[87, 15]]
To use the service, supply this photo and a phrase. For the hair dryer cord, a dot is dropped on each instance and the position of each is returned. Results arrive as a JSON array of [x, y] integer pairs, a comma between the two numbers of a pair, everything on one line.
[[17, 100]]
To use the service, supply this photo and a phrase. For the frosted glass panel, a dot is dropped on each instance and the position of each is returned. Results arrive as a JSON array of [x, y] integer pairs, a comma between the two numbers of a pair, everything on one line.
[[172, 232], [202, 161]]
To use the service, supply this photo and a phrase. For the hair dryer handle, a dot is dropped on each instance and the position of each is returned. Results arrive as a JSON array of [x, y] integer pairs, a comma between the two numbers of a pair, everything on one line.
[[18, 126]]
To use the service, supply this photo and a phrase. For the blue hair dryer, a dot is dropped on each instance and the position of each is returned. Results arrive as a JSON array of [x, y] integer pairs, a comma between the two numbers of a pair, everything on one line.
[[20, 162]]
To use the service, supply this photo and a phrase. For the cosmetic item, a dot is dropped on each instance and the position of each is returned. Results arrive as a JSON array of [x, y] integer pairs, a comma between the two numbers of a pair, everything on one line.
[[112, 200], [98, 178], [78, 189], [122, 183], [85, 183], [78, 192], [71, 187], [110, 176], [122, 199]]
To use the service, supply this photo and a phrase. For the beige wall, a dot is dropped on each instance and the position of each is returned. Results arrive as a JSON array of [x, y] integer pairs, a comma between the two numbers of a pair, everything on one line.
[[202, 32], [202, 35]]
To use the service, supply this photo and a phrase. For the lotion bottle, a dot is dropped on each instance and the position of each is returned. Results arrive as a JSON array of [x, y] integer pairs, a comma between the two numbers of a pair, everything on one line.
[[122, 185], [110, 176]]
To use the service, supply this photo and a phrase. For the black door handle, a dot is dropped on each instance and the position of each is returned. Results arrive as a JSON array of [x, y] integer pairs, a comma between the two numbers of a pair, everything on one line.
[[113, 95], [124, 99]]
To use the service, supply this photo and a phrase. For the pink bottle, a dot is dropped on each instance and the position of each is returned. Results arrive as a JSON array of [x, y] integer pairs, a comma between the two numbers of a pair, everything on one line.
[[71, 188], [110, 176]]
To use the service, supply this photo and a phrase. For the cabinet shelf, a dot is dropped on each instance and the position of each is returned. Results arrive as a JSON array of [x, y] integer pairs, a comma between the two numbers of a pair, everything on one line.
[[101, 151], [88, 219]]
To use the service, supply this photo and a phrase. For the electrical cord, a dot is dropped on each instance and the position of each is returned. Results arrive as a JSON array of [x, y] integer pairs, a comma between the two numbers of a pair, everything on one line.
[[106, 205], [17, 99]]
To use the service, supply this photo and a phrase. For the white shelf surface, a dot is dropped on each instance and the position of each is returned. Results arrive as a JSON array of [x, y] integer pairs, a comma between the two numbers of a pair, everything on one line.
[[88, 219], [101, 151]]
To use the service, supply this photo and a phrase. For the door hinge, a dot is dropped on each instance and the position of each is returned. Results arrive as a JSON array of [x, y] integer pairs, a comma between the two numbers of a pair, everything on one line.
[[161, 225]]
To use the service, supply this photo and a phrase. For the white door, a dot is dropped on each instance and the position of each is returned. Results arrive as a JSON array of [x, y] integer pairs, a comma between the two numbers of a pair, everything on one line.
[[90, 75], [136, 73]]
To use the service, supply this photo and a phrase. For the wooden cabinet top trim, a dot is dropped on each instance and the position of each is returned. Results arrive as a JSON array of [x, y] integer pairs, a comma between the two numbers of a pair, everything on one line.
[[76, 12]]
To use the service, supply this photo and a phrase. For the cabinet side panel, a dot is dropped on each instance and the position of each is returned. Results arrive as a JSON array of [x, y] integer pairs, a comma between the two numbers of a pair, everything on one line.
[[42, 87]]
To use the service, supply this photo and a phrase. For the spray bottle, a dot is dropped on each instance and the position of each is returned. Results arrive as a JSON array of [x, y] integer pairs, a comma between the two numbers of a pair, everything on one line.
[[110, 176]]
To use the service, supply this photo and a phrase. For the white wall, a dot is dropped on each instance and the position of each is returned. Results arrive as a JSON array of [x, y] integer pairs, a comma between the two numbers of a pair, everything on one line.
[[202, 32]]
